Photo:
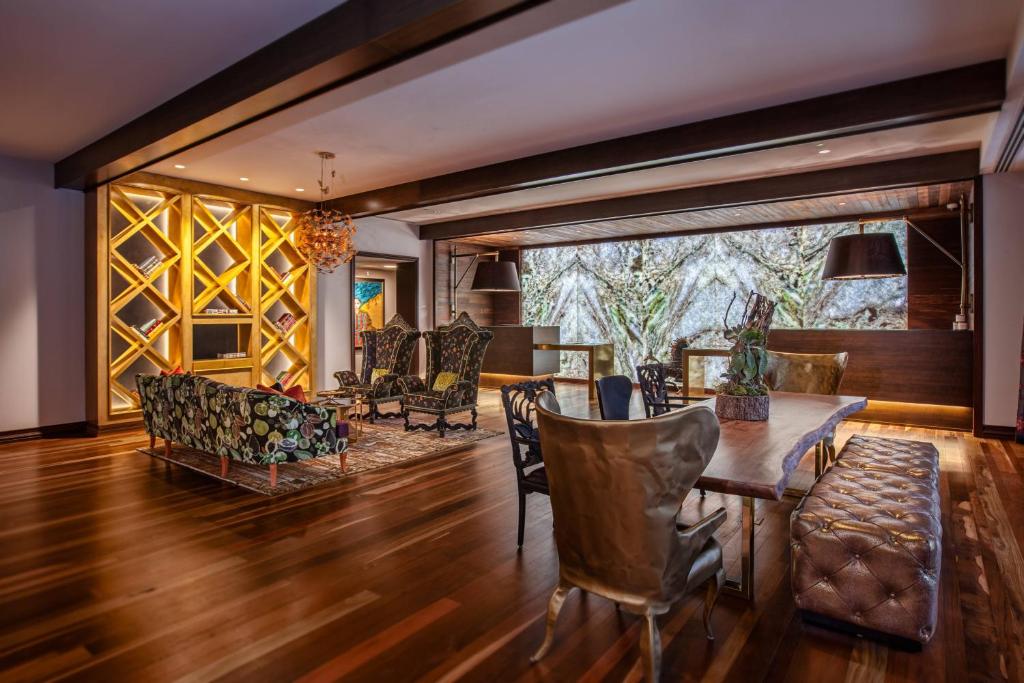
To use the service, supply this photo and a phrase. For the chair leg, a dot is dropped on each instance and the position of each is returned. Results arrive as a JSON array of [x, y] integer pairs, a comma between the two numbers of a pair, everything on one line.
[[522, 518], [405, 416], [650, 648], [273, 475], [224, 461], [554, 607], [473, 413], [714, 586], [441, 425], [703, 493]]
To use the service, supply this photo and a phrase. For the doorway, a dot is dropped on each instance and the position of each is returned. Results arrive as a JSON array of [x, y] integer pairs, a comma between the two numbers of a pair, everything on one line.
[[382, 285]]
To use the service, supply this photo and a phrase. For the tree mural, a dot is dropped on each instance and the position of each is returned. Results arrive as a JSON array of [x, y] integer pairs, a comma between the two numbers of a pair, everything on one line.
[[643, 294]]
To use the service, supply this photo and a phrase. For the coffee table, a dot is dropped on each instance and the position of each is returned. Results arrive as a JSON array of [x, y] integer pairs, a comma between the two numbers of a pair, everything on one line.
[[348, 407], [756, 459]]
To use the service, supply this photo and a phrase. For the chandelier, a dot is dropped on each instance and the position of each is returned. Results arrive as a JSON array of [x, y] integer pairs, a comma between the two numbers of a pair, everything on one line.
[[325, 237]]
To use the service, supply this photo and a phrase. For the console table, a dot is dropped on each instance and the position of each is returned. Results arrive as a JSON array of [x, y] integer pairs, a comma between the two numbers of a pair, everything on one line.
[[600, 360]]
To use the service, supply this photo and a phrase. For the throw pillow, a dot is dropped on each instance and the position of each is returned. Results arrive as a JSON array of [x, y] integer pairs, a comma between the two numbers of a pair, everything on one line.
[[376, 374], [444, 380], [175, 371], [295, 393]]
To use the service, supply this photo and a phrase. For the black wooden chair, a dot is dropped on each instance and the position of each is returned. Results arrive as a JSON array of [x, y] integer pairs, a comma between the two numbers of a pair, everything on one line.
[[654, 390], [519, 401], [613, 395]]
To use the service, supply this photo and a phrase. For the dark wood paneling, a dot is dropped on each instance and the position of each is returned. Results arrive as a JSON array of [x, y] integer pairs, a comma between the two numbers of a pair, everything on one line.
[[933, 281], [915, 171], [479, 305], [351, 41], [511, 351], [932, 97], [911, 366]]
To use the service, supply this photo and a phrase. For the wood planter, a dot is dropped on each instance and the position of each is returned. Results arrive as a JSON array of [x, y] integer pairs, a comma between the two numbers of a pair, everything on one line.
[[750, 408]]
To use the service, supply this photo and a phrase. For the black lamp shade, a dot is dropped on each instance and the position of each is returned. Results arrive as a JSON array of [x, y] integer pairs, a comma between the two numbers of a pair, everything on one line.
[[862, 256], [495, 276]]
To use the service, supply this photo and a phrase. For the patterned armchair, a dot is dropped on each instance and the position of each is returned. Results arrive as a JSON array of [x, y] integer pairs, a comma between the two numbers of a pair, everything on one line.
[[455, 353], [387, 354], [235, 423]]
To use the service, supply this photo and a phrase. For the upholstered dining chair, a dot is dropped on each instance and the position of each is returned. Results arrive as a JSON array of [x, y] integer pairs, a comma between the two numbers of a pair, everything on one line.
[[808, 373], [455, 354], [519, 401], [387, 355], [654, 390], [613, 395], [615, 489]]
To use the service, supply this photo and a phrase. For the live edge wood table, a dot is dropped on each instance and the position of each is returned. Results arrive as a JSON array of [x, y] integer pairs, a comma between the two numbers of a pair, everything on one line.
[[756, 459]]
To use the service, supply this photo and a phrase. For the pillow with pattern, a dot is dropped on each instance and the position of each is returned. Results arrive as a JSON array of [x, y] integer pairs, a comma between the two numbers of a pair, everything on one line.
[[444, 380], [376, 374]]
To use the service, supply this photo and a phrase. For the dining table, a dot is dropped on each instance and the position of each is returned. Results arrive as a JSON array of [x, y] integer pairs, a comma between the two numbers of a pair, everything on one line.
[[756, 460]]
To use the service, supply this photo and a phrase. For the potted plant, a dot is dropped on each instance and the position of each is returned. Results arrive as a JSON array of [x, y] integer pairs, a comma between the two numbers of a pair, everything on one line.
[[744, 394]]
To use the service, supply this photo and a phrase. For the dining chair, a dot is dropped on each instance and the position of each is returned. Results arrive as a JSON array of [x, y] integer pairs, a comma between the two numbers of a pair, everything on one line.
[[615, 490], [808, 373], [613, 395], [519, 402]]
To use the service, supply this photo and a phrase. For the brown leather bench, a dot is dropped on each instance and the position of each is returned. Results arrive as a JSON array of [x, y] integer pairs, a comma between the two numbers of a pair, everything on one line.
[[867, 541]]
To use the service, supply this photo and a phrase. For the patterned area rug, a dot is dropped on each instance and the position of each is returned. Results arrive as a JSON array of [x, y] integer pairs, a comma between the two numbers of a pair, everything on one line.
[[381, 445]]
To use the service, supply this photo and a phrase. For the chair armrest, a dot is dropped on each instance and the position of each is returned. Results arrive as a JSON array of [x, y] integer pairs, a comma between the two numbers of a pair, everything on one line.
[[346, 378], [382, 387], [411, 384], [699, 533], [456, 392]]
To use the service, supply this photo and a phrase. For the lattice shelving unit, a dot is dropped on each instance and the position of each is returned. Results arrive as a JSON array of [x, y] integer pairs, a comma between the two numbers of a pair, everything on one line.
[[287, 287], [144, 225], [168, 252]]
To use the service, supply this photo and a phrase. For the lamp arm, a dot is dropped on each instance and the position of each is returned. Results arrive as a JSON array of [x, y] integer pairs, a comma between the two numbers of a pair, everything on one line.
[[935, 244], [476, 257]]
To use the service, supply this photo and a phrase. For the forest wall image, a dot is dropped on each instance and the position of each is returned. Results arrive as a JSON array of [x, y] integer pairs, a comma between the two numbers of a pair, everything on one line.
[[642, 294]]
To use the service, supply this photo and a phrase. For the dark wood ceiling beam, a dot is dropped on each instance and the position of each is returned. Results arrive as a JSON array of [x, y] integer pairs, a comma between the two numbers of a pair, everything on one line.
[[349, 42], [923, 170], [933, 97]]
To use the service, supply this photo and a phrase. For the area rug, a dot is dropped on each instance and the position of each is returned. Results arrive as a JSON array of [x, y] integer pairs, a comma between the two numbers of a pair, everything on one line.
[[381, 445]]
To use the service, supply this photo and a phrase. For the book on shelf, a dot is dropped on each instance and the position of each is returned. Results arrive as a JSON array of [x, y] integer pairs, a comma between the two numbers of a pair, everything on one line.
[[149, 265], [285, 322], [232, 354], [283, 377], [147, 328], [221, 311]]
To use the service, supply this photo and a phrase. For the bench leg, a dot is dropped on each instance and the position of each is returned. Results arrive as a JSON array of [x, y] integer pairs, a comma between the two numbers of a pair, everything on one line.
[[152, 440], [273, 475], [167, 448], [224, 462]]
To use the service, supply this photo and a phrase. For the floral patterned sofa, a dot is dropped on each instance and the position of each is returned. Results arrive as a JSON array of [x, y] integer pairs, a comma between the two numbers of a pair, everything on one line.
[[235, 423]]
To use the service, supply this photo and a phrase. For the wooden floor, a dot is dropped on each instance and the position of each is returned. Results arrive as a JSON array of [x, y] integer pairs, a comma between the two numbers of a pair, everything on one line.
[[118, 567]]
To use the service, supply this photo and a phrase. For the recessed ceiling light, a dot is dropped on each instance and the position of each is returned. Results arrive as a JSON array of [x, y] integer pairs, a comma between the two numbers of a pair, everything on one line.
[[300, 189], [244, 179], [820, 144], [179, 166], [824, 151], [842, 203]]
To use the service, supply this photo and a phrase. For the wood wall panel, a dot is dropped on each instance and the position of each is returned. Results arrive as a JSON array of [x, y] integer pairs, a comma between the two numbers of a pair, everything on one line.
[[933, 281], [508, 305], [479, 305], [913, 366]]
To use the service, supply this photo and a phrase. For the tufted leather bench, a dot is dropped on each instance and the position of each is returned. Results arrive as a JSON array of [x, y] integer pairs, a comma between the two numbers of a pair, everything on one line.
[[867, 540]]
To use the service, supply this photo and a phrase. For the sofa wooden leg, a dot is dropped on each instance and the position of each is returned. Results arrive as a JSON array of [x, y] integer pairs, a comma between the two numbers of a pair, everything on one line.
[[224, 462], [167, 448], [343, 458], [152, 440], [273, 475]]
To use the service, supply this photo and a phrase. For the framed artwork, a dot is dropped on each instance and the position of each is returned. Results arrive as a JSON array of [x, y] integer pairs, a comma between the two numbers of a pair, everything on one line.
[[368, 300]]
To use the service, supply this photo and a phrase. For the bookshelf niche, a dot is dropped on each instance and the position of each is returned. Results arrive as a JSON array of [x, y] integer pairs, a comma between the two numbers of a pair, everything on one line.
[[200, 277]]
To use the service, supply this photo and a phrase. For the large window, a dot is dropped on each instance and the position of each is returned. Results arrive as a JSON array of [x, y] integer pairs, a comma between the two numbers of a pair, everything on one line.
[[641, 295]]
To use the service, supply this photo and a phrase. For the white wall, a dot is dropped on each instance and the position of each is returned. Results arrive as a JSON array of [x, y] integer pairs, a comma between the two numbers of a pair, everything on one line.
[[390, 302], [334, 299], [42, 298], [1003, 293]]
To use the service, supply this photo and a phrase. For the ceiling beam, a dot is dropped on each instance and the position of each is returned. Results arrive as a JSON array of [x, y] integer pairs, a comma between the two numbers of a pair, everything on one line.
[[933, 97], [923, 170], [351, 41]]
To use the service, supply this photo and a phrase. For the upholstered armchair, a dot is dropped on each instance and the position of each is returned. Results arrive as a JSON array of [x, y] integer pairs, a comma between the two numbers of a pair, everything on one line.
[[455, 354], [808, 373], [387, 354], [616, 488]]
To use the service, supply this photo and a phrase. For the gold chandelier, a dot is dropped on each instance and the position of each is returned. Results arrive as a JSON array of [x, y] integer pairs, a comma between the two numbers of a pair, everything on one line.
[[325, 237]]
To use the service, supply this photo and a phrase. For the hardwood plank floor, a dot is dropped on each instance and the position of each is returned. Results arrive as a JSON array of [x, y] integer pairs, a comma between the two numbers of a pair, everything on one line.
[[116, 566]]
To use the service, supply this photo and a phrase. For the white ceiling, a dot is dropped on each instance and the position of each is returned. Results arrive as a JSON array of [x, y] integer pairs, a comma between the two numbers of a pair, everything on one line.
[[72, 71], [503, 93], [931, 138]]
